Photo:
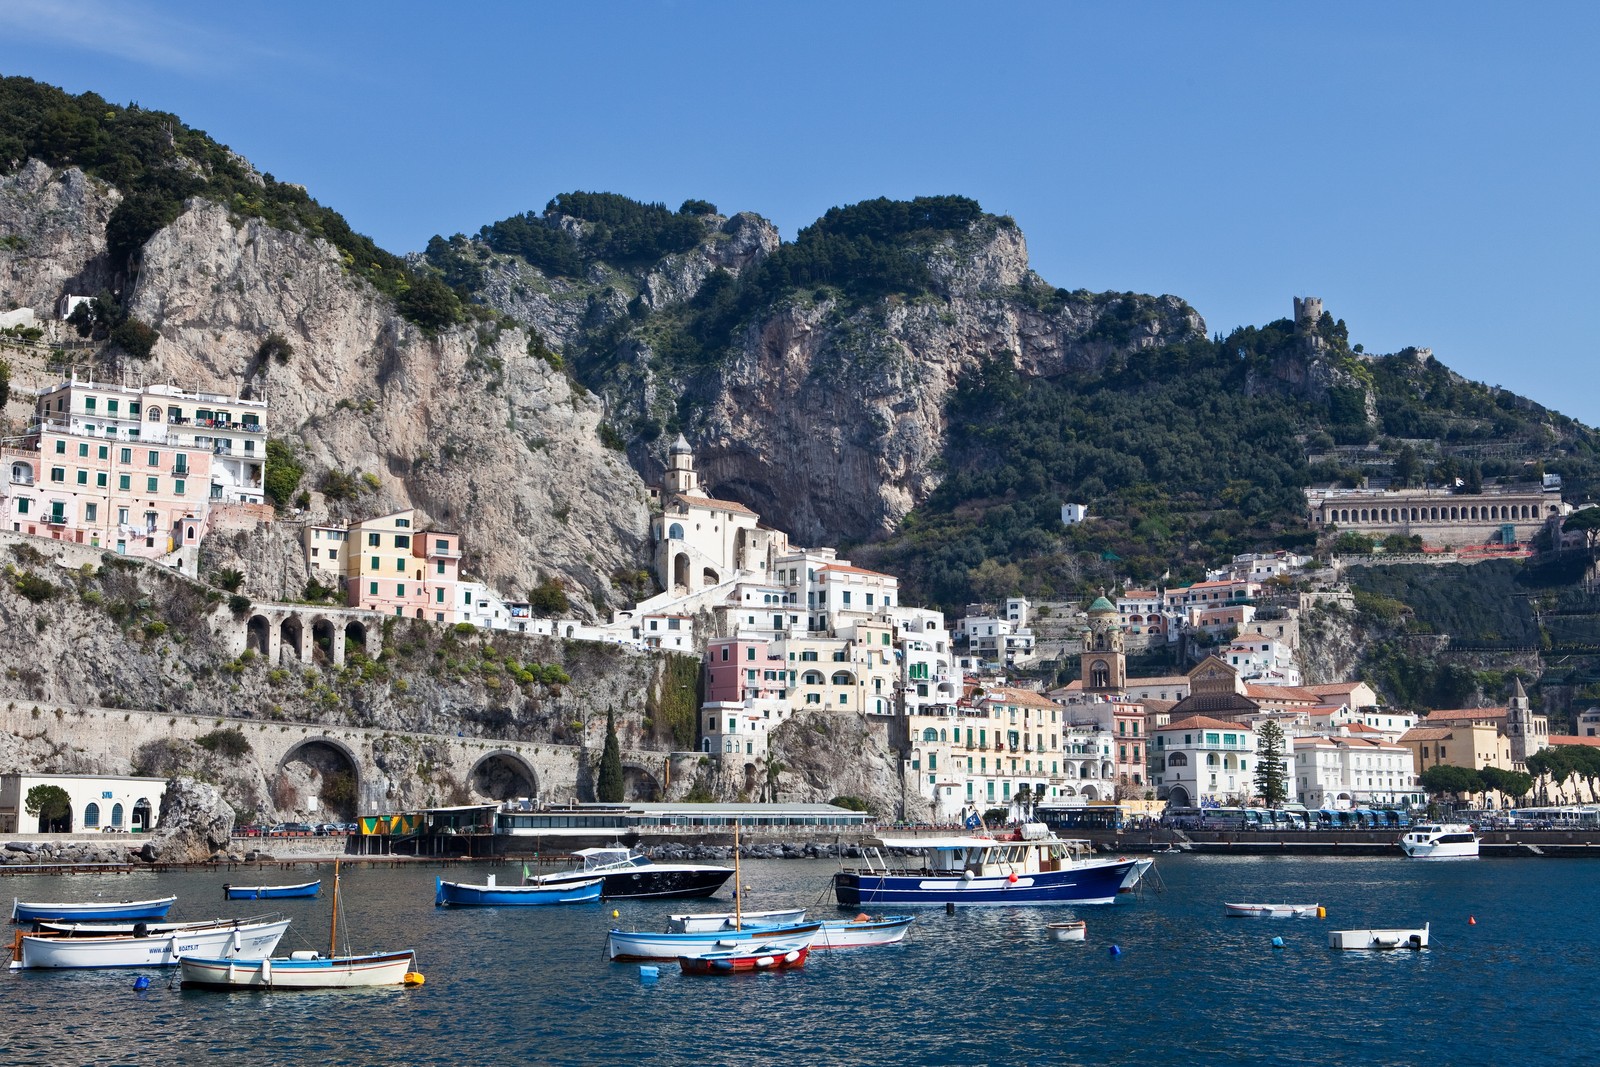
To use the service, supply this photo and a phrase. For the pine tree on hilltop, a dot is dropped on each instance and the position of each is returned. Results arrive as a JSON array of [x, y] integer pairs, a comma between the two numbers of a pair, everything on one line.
[[611, 787]]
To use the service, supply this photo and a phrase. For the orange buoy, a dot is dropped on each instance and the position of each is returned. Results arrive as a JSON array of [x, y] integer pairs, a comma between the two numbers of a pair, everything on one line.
[[1012, 877], [1472, 920]]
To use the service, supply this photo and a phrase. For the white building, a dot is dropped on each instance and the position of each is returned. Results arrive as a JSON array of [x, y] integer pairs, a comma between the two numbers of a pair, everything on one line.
[[1359, 770], [97, 802], [1262, 659], [1199, 761], [740, 728], [1072, 514]]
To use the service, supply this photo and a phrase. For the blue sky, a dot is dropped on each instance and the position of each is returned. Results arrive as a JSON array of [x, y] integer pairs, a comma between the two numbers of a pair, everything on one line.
[[1428, 169]]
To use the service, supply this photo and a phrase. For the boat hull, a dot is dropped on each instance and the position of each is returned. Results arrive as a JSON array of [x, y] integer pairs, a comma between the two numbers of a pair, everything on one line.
[[727, 920], [244, 942], [853, 933], [1272, 911], [462, 895], [644, 946], [1074, 931], [766, 958], [1378, 940], [339, 972], [1092, 883], [32, 912], [1440, 852], [271, 892]]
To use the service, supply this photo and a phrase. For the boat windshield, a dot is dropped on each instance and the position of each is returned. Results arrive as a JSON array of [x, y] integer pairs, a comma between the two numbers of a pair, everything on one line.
[[595, 858]]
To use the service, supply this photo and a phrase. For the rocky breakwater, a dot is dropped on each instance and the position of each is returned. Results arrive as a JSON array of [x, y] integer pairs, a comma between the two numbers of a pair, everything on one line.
[[63, 853]]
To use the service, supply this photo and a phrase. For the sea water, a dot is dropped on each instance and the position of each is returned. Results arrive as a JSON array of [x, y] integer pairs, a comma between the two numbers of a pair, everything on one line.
[[1190, 985]]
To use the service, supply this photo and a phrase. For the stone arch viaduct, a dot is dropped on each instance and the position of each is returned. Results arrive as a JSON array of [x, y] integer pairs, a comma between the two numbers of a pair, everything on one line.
[[376, 758]]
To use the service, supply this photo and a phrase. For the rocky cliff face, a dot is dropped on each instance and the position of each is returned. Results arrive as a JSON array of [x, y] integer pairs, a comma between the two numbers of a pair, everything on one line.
[[827, 418], [52, 235], [466, 426]]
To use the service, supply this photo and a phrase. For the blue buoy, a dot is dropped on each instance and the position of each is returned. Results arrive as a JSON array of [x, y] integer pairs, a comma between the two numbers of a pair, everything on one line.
[[1277, 942], [649, 972], [141, 982], [1115, 950]]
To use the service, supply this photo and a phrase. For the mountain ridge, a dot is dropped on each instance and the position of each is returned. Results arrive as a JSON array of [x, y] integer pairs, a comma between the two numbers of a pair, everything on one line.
[[850, 385]]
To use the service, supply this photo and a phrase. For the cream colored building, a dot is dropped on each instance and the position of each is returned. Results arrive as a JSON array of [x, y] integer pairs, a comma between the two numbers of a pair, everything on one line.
[[98, 802], [1501, 514]]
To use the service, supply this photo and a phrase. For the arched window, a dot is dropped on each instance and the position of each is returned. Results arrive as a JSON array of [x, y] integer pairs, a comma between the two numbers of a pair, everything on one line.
[[675, 531], [1099, 675], [116, 815], [91, 816], [1211, 759], [812, 678], [843, 678], [1177, 759], [154, 415], [930, 734]]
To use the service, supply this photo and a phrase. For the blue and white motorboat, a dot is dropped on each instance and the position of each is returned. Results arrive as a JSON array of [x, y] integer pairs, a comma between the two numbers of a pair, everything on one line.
[[863, 931], [646, 945], [490, 895], [23, 911], [271, 892], [1032, 866]]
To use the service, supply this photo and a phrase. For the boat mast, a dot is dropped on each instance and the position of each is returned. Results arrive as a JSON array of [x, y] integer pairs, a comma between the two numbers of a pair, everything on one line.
[[333, 929], [738, 881]]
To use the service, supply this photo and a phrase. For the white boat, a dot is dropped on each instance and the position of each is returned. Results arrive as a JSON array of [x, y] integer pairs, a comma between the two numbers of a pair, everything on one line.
[[1070, 931], [142, 929], [300, 970], [303, 970], [728, 920], [230, 941], [1379, 939], [1275, 911], [645, 945], [1440, 841], [863, 931]]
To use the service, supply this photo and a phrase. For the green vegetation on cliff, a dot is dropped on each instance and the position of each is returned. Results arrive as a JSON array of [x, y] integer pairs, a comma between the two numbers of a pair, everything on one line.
[[157, 163]]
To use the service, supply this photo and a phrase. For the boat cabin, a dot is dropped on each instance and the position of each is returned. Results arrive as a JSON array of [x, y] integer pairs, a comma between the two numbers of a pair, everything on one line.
[[1030, 851]]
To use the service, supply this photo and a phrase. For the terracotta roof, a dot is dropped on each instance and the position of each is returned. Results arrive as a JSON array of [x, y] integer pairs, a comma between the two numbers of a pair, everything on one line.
[[1362, 728], [1201, 722], [1165, 679], [1465, 714], [1426, 733], [1281, 692], [1332, 687], [712, 502], [1020, 696], [1152, 706], [1574, 739]]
